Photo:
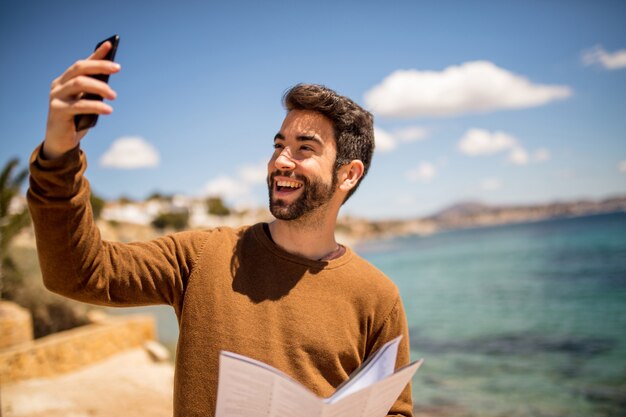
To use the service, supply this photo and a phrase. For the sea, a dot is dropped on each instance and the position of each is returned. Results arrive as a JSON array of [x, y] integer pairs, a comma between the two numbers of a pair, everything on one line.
[[515, 320]]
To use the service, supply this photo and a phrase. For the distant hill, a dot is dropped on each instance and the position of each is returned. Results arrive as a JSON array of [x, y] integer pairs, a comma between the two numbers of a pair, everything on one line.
[[462, 209], [476, 214], [473, 214]]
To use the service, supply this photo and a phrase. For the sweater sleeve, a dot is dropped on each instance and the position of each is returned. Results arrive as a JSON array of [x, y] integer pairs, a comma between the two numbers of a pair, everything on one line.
[[395, 324], [77, 263]]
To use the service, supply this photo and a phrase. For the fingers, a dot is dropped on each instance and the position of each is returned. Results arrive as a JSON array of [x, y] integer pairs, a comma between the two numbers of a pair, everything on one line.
[[89, 107], [75, 81], [68, 98], [82, 106], [88, 67], [101, 51], [82, 84]]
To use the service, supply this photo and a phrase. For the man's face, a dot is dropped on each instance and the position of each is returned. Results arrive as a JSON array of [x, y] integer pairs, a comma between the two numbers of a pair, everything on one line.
[[300, 173]]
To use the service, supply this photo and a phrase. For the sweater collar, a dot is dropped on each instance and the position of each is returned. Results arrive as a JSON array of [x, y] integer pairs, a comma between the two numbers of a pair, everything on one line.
[[261, 233]]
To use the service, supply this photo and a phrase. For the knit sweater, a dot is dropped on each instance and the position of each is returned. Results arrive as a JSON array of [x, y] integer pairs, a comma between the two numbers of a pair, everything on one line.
[[231, 289]]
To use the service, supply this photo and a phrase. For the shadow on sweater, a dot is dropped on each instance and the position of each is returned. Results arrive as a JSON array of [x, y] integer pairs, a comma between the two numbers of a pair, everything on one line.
[[261, 274]]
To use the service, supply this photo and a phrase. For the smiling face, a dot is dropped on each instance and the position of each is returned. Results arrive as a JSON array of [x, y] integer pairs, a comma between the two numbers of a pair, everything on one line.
[[301, 177]]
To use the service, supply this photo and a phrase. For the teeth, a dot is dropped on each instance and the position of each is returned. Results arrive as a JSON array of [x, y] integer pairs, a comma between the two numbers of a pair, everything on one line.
[[289, 184]]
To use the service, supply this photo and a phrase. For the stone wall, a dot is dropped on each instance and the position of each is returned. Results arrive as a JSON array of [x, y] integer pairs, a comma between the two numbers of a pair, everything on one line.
[[16, 325], [72, 349]]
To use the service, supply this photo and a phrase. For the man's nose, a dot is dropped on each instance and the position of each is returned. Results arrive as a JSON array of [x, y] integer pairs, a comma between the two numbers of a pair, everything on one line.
[[284, 162]]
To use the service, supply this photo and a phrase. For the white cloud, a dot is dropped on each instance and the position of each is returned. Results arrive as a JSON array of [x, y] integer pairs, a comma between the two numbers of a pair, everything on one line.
[[518, 156], [477, 142], [129, 152], [424, 172], [622, 166], [608, 60], [227, 188], [238, 188], [482, 142], [383, 140], [491, 184], [410, 134], [476, 86], [388, 141]]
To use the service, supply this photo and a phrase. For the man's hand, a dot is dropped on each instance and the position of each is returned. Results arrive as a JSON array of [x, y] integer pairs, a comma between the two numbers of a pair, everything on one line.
[[66, 101]]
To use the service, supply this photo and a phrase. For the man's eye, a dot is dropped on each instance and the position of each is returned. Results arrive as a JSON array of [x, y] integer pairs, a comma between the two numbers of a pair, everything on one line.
[[306, 148], [278, 146]]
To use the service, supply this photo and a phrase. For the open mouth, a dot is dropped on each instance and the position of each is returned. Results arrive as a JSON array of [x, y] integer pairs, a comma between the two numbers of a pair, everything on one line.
[[287, 186]]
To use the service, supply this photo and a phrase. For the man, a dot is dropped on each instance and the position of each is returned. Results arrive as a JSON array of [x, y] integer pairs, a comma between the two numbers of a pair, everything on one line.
[[285, 293]]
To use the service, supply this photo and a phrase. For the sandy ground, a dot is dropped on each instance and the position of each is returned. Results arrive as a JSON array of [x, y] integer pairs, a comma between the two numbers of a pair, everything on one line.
[[129, 384]]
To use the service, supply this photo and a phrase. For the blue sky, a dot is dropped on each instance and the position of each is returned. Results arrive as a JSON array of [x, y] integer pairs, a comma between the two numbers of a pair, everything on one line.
[[500, 102]]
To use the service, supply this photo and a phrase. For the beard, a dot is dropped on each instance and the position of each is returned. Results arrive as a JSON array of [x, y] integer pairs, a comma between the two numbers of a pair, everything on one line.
[[315, 193]]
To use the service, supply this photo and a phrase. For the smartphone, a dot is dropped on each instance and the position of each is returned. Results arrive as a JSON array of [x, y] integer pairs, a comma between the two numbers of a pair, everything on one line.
[[86, 121]]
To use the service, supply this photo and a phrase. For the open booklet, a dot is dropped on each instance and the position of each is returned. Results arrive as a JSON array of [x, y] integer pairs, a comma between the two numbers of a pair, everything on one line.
[[250, 388]]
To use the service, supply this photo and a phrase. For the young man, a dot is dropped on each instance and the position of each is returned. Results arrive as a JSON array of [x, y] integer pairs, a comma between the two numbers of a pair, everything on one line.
[[285, 293]]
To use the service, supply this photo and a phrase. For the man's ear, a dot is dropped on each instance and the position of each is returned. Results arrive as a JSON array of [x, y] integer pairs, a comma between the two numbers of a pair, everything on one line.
[[350, 174]]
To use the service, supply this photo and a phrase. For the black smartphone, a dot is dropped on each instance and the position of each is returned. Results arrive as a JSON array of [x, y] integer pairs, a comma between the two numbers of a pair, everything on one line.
[[86, 121]]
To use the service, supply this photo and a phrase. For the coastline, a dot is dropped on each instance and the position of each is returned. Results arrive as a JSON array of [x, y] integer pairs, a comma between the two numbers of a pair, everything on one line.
[[473, 215]]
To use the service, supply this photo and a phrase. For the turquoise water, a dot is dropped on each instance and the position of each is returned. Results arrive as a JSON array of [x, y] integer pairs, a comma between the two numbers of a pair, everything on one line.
[[519, 320]]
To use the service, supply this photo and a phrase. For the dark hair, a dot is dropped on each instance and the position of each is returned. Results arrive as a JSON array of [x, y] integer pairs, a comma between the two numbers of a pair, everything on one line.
[[354, 126]]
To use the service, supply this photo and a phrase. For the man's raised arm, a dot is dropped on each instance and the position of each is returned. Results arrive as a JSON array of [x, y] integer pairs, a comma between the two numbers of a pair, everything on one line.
[[74, 260]]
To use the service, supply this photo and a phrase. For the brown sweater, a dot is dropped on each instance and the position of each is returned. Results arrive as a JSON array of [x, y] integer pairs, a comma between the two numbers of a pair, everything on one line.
[[231, 289]]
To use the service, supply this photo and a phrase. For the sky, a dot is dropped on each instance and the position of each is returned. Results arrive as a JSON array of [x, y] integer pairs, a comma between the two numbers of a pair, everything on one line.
[[499, 102]]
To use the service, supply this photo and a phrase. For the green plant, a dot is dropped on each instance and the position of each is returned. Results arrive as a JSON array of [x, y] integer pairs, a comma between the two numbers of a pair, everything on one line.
[[216, 206], [97, 204], [173, 220], [12, 221], [156, 195], [125, 200]]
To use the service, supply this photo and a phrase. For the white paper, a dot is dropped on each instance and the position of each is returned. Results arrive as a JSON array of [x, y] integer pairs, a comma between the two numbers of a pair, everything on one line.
[[250, 388], [378, 367]]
